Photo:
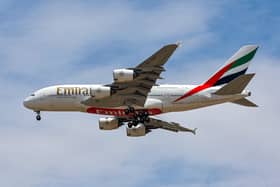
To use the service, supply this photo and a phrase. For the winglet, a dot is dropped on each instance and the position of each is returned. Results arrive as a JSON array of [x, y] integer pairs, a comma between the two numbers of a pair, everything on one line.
[[179, 43]]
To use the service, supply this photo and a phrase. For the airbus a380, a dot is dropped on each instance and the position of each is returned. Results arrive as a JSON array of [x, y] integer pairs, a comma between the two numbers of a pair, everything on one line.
[[133, 98]]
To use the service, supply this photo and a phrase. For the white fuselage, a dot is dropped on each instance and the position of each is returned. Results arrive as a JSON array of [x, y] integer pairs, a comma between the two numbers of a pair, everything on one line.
[[160, 99]]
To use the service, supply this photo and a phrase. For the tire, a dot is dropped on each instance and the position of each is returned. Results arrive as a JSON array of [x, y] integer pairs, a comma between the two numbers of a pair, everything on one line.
[[147, 119], [135, 123], [142, 120], [131, 110], [141, 114], [38, 117], [126, 111]]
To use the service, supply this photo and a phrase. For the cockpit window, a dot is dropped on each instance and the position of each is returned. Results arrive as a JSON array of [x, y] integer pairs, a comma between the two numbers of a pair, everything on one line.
[[32, 94]]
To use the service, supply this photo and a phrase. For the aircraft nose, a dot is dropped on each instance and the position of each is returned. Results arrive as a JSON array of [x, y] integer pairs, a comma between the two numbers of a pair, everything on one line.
[[28, 103]]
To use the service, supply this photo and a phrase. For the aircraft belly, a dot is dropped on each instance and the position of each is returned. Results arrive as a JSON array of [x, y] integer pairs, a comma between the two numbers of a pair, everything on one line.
[[198, 102]]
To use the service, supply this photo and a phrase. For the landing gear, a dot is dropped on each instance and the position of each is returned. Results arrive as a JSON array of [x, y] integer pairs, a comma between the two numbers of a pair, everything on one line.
[[137, 117], [38, 116], [129, 124], [129, 110]]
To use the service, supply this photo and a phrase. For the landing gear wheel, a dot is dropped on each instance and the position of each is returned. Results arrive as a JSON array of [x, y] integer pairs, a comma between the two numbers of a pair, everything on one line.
[[135, 123], [146, 114], [142, 120], [140, 114], [131, 109], [126, 111], [38, 117], [130, 125], [147, 119]]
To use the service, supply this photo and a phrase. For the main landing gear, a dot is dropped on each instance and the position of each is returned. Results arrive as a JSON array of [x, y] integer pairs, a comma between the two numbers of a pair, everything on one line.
[[129, 110], [137, 116], [38, 116]]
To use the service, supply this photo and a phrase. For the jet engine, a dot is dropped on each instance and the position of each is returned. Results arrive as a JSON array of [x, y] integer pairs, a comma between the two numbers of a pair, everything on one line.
[[139, 130], [100, 92], [108, 123], [123, 75]]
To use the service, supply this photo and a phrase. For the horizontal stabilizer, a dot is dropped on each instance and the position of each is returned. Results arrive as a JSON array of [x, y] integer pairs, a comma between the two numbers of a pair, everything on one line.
[[245, 102], [236, 86]]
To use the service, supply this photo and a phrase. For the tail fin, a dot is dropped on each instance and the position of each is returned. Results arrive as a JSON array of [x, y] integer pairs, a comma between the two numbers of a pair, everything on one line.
[[234, 67], [235, 86]]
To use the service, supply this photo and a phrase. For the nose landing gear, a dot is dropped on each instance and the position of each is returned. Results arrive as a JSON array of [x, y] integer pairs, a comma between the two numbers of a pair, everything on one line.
[[38, 116]]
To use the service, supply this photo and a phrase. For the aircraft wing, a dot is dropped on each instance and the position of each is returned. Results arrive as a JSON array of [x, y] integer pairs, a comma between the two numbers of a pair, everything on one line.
[[171, 126], [136, 91]]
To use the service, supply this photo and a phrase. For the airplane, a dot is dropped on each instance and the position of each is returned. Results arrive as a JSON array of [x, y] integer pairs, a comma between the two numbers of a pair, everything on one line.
[[134, 98]]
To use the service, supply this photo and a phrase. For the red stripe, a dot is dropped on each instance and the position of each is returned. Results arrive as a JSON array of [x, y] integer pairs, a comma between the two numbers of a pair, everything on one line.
[[218, 75], [119, 112], [209, 83]]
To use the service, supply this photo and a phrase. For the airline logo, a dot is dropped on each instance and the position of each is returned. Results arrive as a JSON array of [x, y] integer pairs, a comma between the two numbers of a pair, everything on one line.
[[70, 91], [226, 74]]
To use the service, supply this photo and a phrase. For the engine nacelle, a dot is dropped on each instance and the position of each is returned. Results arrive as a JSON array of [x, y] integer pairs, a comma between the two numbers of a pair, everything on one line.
[[139, 130], [108, 123], [100, 92], [123, 75]]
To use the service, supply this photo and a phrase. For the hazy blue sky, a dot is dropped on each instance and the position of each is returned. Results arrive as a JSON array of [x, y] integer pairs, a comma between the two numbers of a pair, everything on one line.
[[57, 42]]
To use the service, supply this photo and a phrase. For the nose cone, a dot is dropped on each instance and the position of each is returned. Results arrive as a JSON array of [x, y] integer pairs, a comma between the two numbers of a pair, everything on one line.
[[28, 103]]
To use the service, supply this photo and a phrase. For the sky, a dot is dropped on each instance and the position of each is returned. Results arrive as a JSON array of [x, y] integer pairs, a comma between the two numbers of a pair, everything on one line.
[[45, 43]]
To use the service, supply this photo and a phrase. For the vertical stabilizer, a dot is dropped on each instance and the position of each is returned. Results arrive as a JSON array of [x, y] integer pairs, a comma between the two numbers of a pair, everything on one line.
[[235, 66]]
